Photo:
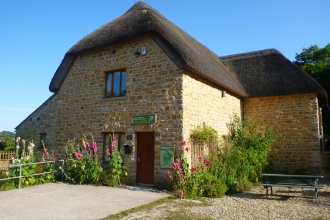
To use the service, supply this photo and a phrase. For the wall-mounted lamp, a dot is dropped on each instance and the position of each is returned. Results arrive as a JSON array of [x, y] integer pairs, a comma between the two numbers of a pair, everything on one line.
[[223, 94], [136, 53]]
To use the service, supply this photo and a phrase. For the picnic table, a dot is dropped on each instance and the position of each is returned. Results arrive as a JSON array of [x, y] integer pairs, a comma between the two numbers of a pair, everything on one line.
[[291, 181]]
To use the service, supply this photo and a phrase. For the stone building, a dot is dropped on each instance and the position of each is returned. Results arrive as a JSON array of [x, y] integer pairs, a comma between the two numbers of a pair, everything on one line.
[[145, 79]]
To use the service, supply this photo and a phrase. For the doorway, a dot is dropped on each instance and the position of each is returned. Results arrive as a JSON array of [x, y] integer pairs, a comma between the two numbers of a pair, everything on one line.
[[145, 158]]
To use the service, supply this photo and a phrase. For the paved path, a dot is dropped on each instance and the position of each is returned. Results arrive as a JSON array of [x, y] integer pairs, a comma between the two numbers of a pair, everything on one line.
[[64, 201]]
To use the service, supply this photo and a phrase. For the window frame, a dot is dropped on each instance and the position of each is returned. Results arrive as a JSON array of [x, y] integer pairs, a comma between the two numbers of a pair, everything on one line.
[[120, 143], [114, 85], [43, 137]]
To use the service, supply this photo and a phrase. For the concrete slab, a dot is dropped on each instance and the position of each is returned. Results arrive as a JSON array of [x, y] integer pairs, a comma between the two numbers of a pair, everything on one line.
[[65, 201]]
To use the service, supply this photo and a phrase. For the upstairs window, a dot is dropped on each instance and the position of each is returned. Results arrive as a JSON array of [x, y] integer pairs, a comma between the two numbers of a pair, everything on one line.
[[115, 84]]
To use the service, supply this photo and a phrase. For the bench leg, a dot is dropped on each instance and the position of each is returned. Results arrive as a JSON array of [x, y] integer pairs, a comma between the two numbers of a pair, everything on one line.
[[316, 195], [266, 192]]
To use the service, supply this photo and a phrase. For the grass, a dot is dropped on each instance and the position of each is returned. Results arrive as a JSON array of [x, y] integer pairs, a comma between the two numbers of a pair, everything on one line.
[[166, 208]]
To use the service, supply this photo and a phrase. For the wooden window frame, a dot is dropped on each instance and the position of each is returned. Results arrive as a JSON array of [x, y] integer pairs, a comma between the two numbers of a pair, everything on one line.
[[120, 142], [122, 90]]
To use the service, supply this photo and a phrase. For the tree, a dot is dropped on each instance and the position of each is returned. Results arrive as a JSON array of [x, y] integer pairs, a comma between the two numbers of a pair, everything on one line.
[[316, 62]]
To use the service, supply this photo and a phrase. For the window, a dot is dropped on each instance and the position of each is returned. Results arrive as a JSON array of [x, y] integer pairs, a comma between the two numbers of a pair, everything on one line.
[[43, 137], [107, 141], [115, 84]]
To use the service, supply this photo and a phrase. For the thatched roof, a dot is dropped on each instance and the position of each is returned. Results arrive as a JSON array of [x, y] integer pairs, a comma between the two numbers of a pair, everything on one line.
[[141, 19], [269, 73], [261, 73]]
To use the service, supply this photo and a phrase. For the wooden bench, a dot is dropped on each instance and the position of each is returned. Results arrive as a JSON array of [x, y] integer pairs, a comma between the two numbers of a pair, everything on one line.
[[291, 181]]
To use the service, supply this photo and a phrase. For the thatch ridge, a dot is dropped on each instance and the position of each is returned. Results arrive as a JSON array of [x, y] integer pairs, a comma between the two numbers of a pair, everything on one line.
[[143, 19], [269, 73]]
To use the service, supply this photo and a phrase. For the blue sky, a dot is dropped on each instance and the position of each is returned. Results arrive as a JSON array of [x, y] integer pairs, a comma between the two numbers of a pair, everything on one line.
[[36, 34]]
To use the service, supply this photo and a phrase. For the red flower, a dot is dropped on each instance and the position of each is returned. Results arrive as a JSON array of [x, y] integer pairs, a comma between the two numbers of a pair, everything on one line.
[[200, 159], [169, 175], [187, 149], [183, 143], [193, 169], [180, 194], [45, 151], [54, 158]]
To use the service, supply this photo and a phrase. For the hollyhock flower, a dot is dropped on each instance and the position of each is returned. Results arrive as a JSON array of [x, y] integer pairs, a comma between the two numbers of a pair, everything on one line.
[[54, 158], [200, 159], [45, 151], [193, 169], [114, 139], [80, 154], [23, 141], [76, 154], [87, 145], [176, 166], [18, 139], [112, 146], [187, 149], [206, 162], [180, 194], [17, 147], [108, 154], [94, 147], [183, 143], [169, 175]]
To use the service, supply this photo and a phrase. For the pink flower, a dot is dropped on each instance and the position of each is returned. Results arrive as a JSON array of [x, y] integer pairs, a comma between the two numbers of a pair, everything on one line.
[[187, 149], [180, 194], [45, 151], [169, 175], [54, 158], [114, 139], [193, 169], [176, 166], [206, 162], [94, 146], [76, 154], [183, 143], [200, 159], [108, 154], [112, 146], [80, 154], [87, 145]]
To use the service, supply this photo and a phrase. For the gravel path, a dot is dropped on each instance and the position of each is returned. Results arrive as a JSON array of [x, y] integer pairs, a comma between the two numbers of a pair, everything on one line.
[[284, 204]]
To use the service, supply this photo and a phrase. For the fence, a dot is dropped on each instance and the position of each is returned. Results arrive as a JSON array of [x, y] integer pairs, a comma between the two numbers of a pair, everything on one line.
[[6, 155], [7, 169]]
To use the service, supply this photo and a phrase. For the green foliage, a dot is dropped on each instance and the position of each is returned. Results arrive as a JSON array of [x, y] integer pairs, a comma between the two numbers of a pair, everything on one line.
[[7, 134], [233, 166], [203, 134], [252, 145], [82, 168], [7, 144], [117, 170], [196, 182], [24, 157], [316, 62]]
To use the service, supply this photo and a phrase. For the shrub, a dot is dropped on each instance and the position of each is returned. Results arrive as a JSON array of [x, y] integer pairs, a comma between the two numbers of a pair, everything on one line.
[[117, 170], [82, 168]]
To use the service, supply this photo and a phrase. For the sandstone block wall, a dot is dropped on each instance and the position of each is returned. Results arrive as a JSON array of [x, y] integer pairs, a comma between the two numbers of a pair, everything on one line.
[[204, 103], [154, 86], [295, 118]]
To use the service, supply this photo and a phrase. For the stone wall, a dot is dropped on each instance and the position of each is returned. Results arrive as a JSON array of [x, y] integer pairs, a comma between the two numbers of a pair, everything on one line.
[[295, 118], [154, 86], [204, 103]]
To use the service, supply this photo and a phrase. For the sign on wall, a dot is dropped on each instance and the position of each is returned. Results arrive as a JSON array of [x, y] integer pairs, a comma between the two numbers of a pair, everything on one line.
[[140, 119], [166, 157]]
